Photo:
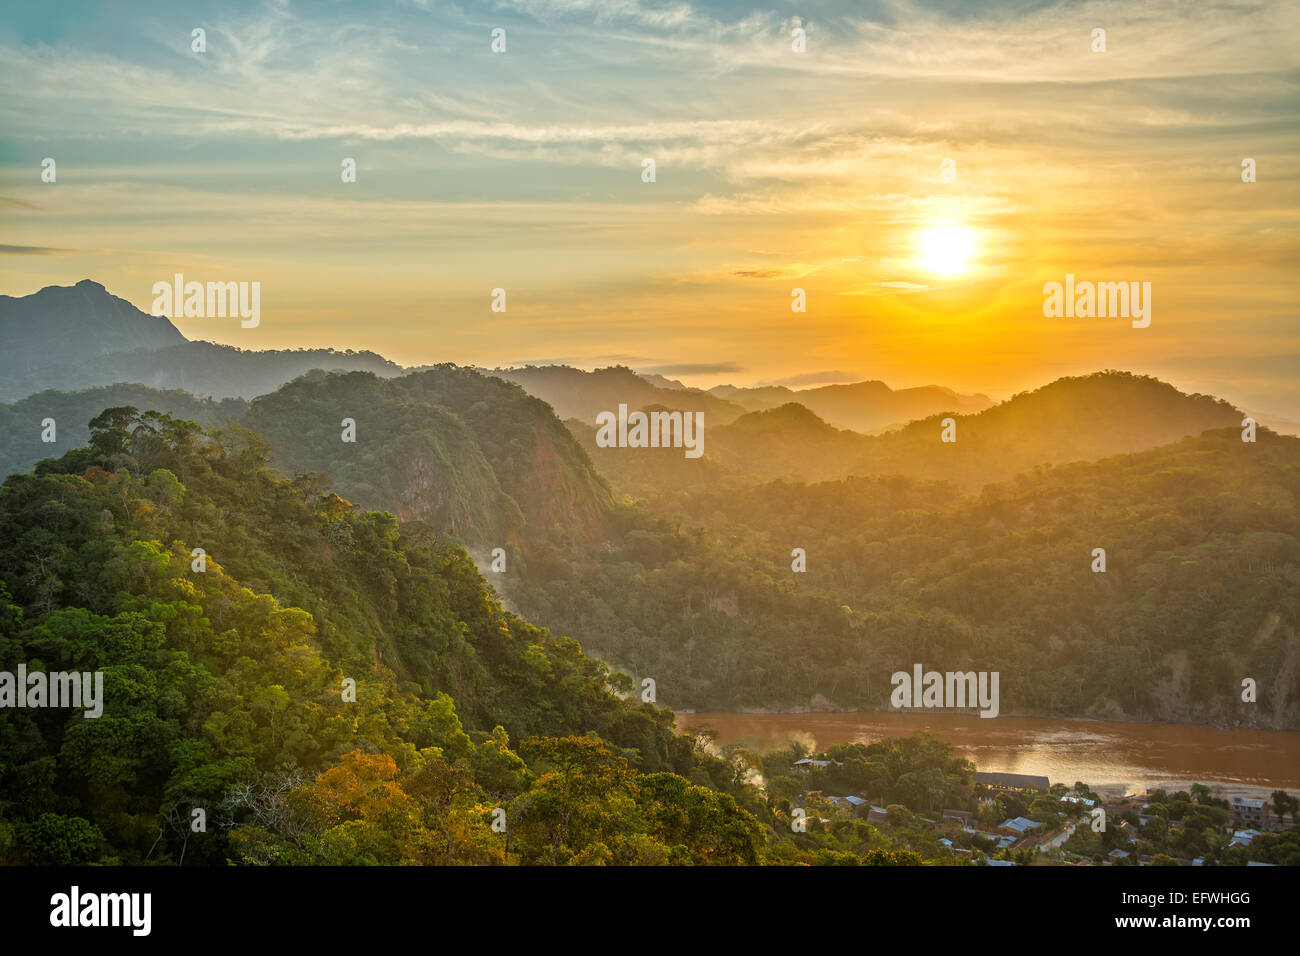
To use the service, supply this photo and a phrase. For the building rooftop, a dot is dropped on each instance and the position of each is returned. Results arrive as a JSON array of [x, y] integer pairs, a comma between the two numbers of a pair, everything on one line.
[[1243, 837], [1022, 824]]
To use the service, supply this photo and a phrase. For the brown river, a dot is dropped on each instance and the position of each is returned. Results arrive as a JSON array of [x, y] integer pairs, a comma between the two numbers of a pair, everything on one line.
[[1113, 758]]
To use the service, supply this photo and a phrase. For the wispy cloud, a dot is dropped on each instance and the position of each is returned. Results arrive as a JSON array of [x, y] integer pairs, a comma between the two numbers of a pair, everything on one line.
[[828, 377], [32, 251], [694, 368]]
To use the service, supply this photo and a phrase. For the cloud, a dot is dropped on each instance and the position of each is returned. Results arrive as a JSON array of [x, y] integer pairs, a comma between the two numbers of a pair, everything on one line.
[[717, 368], [372, 79], [33, 251], [663, 15], [757, 273], [886, 288], [623, 359], [818, 378]]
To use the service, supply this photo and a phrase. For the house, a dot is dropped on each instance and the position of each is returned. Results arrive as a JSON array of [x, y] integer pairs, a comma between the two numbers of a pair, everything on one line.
[[964, 817], [807, 763], [1083, 801], [846, 803], [1012, 781], [1252, 812], [877, 815], [1243, 837], [1002, 863], [1018, 826], [1118, 854]]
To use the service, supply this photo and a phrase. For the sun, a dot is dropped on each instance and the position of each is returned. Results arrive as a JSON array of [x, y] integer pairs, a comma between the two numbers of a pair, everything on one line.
[[946, 249]]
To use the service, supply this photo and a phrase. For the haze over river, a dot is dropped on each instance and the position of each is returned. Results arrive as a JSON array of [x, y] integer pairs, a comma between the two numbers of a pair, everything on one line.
[[1111, 757]]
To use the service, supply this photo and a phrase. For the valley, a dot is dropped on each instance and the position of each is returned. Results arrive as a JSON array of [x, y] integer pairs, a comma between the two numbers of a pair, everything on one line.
[[1105, 552]]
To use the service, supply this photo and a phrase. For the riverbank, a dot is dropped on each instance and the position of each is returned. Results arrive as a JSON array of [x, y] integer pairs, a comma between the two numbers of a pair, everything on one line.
[[1143, 721], [1114, 757]]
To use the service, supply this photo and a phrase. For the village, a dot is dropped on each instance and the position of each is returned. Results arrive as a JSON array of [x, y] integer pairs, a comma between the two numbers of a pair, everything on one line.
[[1023, 819]]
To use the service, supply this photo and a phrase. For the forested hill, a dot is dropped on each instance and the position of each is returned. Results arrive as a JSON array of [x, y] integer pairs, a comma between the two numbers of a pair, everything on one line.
[[25, 438], [575, 393], [225, 684], [1201, 588], [467, 453], [695, 588], [787, 442], [460, 450], [860, 406], [1071, 419]]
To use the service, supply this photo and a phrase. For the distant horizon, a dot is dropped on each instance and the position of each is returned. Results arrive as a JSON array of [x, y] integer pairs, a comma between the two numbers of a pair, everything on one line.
[[714, 379]]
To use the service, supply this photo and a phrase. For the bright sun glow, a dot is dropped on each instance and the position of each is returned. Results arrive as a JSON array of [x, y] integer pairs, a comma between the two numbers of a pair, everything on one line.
[[946, 249]]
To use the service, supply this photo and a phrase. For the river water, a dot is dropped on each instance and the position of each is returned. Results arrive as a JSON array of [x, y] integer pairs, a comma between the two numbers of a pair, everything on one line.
[[1113, 758]]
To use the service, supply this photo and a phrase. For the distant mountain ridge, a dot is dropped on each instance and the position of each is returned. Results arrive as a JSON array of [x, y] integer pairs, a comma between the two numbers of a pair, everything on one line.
[[860, 406], [68, 325], [1082, 418], [768, 432], [575, 393], [1078, 418], [78, 337], [201, 368], [660, 381]]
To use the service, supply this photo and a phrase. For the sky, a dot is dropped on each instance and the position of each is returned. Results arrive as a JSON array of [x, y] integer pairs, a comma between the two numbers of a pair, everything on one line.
[[774, 170]]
